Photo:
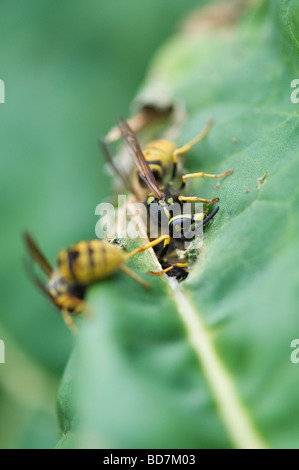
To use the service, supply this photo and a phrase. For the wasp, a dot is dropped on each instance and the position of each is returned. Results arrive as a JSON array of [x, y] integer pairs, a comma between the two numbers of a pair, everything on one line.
[[158, 159], [162, 157], [78, 267]]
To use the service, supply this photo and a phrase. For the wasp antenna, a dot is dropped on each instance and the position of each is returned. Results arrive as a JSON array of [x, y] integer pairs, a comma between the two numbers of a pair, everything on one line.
[[202, 222], [210, 216]]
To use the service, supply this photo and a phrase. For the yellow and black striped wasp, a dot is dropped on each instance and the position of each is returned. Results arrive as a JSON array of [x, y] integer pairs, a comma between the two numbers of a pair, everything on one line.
[[157, 160], [79, 266], [162, 155]]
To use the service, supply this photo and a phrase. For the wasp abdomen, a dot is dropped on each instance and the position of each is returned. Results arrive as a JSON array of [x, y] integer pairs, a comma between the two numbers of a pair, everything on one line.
[[87, 262]]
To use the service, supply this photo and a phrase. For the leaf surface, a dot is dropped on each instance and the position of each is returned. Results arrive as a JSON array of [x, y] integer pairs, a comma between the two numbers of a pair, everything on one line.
[[207, 363]]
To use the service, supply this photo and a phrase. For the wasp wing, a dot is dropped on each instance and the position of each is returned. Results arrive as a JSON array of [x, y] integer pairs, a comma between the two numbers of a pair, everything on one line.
[[143, 167], [35, 279], [37, 255], [123, 176]]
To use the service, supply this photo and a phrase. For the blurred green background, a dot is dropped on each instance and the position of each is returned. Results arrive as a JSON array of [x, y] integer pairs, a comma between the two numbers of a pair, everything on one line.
[[70, 68]]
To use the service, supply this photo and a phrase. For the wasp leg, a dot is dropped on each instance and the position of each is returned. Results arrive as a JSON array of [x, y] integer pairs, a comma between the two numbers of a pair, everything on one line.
[[164, 249], [185, 148], [146, 246], [135, 276], [68, 320], [179, 270], [159, 273], [199, 175], [181, 265], [69, 304], [198, 199]]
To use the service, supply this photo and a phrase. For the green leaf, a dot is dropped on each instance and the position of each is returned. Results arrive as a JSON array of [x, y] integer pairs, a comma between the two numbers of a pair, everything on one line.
[[68, 74], [28, 418], [67, 77], [207, 363]]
